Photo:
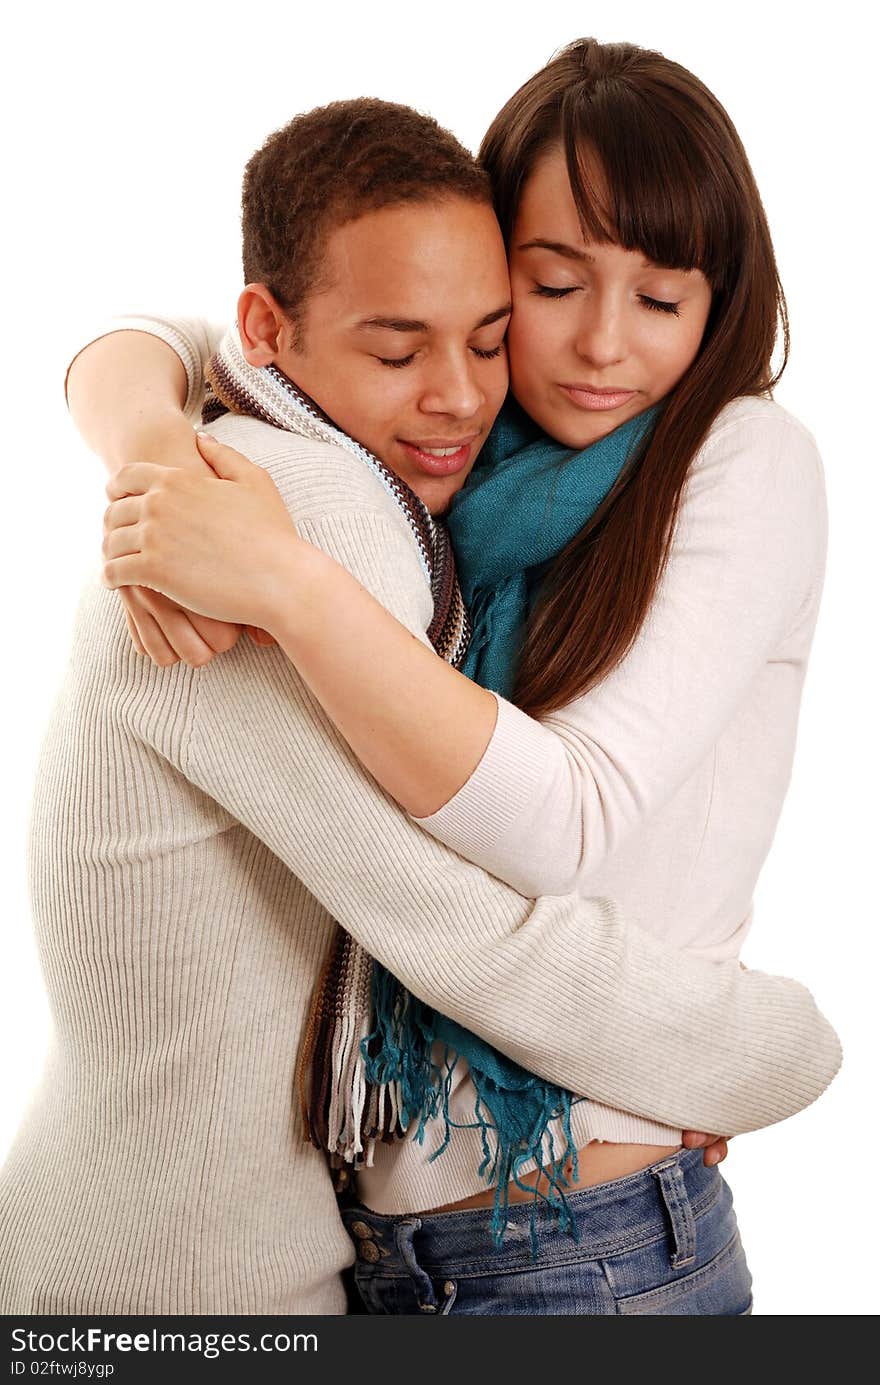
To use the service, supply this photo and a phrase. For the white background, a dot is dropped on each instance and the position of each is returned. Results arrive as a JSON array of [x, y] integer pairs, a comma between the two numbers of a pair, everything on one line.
[[126, 130]]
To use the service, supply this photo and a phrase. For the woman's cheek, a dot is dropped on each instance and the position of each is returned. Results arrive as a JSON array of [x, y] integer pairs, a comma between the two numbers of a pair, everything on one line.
[[526, 346]]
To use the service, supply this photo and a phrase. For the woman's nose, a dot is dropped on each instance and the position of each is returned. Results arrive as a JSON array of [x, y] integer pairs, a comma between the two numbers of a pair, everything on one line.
[[600, 339]]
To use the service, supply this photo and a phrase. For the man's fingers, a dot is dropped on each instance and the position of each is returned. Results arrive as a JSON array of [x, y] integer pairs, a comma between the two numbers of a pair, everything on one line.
[[714, 1147], [696, 1139], [715, 1152]]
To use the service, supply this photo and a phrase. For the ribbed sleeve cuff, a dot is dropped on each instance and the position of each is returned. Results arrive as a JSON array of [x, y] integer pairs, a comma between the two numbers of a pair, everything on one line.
[[503, 784], [179, 342]]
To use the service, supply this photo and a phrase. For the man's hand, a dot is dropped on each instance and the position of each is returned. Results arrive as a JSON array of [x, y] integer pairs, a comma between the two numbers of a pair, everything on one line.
[[166, 633], [714, 1147]]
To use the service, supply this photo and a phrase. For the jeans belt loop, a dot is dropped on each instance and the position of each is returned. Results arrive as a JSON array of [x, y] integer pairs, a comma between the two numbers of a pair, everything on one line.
[[404, 1232], [673, 1191]]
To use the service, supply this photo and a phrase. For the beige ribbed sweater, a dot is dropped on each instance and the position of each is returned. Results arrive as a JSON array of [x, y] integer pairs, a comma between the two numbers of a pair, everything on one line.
[[661, 788], [191, 831]]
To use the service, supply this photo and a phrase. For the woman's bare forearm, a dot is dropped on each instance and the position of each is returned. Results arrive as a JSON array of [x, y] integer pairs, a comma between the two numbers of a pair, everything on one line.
[[419, 727], [126, 393], [224, 544]]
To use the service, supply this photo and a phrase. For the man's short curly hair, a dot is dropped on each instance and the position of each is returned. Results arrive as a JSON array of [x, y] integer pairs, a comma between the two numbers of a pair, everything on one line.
[[331, 166]]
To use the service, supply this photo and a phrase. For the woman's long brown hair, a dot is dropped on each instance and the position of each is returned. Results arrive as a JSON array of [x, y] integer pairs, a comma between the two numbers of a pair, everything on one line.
[[655, 165]]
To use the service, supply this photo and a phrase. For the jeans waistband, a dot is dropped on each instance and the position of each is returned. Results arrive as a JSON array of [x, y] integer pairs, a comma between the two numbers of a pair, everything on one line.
[[610, 1218]]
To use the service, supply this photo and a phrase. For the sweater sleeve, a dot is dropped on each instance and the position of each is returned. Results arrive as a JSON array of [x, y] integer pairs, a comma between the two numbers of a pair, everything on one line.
[[193, 339], [551, 799], [563, 985]]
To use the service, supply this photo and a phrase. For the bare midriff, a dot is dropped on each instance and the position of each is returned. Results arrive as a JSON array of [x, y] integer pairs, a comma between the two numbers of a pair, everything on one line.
[[597, 1163]]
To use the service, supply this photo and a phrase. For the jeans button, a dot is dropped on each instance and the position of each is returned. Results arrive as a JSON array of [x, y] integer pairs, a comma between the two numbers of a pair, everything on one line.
[[448, 1288], [369, 1251], [361, 1230]]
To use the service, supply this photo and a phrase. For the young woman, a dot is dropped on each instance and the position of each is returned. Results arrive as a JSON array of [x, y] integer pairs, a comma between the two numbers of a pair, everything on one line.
[[644, 597]]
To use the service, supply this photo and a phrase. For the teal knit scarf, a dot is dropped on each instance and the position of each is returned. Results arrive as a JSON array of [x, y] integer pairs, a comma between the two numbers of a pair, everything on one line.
[[525, 501]]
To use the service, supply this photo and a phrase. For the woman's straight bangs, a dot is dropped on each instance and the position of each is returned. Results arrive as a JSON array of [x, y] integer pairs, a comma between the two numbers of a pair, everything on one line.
[[636, 183]]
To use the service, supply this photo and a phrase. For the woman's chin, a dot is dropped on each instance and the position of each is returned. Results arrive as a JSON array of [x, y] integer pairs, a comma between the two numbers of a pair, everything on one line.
[[576, 427]]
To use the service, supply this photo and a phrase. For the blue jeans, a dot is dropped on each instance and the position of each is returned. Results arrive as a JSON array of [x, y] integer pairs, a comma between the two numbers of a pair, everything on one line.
[[663, 1240]]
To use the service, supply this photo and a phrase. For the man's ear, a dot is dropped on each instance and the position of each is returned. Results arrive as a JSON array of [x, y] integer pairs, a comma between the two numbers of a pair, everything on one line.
[[263, 325]]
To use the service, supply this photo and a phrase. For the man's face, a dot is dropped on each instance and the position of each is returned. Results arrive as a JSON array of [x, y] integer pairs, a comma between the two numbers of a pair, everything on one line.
[[402, 341]]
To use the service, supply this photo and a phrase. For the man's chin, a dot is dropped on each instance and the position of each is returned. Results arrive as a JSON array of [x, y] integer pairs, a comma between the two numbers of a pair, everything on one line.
[[436, 493]]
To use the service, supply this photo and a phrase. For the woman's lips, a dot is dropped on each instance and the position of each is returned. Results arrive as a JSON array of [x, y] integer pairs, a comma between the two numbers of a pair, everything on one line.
[[439, 458], [588, 397]]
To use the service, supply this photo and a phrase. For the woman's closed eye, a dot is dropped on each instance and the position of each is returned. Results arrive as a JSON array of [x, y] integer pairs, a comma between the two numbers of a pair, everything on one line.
[[659, 305], [548, 291], [656, 305]]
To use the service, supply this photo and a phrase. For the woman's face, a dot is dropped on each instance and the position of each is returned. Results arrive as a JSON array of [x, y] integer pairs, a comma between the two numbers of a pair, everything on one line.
[[598, 333]]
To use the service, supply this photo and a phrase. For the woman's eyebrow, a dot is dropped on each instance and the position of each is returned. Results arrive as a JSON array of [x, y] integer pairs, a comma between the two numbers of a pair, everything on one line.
[[558, 247], [570, 252]]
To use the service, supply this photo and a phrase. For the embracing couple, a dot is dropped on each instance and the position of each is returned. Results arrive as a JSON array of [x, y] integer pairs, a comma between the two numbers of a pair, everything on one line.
[[404, 932]]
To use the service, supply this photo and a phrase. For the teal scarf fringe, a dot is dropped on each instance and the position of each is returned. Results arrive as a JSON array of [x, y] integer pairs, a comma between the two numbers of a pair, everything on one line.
[[525, 501]]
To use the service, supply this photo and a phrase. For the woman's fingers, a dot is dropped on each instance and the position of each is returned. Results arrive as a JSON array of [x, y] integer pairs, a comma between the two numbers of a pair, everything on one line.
[[119, 542], [131, 621], [194, 537], [134, 479], [124, 572], [178, 630], [228, 464], [146, 635], [167, 632], [122, 512], [219, 635]]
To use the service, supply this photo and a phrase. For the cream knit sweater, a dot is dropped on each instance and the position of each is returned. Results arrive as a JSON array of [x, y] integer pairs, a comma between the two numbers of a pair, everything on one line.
[[193, 833], [662, 787]]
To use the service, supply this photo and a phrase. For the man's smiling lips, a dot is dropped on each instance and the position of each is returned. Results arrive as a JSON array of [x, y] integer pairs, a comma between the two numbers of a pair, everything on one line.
[[440, 456]]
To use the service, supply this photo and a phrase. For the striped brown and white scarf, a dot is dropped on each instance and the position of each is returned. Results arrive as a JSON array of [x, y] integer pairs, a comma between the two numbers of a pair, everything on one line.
[[343, 1114]]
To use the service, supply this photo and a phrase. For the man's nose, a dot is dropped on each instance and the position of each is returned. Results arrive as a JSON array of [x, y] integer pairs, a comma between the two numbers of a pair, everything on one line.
[[454, 388]]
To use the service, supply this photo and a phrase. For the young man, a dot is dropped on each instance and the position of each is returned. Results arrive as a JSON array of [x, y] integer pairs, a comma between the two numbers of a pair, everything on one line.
[[197, 830]]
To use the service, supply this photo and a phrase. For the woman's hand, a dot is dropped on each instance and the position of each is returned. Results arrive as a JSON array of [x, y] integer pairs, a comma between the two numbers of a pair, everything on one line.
[[221, 543], [159, 628], [167, 634]]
